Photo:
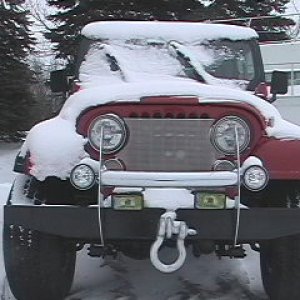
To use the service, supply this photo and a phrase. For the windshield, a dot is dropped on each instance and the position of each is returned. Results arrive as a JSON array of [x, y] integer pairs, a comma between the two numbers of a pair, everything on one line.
[[229, 61]]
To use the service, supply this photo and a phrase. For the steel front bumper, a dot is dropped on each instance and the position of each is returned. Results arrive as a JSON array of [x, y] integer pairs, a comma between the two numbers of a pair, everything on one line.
[[82, 223]]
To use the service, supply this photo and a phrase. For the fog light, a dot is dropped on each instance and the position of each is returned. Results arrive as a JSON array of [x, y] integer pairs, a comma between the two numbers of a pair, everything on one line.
[[255, 178], [82, 177], [209, 200], [128, 201]]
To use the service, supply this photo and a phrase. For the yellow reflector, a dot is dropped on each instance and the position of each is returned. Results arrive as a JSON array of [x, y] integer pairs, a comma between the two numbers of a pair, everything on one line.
[[208, 200], [128, 201]]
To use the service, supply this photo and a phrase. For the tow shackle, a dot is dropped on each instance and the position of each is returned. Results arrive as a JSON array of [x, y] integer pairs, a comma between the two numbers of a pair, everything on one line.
[[169, 226]]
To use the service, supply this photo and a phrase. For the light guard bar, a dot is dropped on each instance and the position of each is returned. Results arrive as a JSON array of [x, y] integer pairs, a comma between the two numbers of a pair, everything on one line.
[[168, 179]]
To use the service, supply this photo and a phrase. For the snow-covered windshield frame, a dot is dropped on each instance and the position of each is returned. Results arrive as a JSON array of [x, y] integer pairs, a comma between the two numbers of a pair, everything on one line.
[[259, 75]]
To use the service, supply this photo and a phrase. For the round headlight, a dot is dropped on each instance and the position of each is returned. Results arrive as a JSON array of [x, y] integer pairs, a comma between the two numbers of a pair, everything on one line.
[[223, 134], [114, 133], [82, 177], [255, 178]]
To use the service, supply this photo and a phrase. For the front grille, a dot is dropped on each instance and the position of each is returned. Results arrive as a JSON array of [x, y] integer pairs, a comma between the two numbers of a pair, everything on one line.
[[168, 145]]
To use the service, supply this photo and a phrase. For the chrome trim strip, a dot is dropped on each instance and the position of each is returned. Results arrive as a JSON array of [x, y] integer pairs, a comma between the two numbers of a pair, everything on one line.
[[169, 179]]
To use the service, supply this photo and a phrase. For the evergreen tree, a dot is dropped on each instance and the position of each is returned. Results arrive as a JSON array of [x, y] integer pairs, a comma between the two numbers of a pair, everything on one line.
[[73, 15], [268, 28], [15, 76]]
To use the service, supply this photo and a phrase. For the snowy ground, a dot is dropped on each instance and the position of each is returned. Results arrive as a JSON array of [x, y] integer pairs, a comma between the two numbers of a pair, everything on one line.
[[204, 278]]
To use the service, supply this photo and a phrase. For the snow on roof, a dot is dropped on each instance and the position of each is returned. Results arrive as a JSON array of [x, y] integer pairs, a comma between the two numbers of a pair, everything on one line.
[[181, 31]]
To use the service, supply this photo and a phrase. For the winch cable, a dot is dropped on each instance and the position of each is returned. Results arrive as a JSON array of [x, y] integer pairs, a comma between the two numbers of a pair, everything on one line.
[[238, 198], [99, 187]]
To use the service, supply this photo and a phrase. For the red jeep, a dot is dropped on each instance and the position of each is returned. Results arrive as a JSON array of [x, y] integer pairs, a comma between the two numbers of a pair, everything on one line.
[[163, 142]]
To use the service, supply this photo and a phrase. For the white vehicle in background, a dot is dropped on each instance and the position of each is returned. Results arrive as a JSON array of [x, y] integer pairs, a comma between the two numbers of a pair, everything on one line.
[[285, 56]]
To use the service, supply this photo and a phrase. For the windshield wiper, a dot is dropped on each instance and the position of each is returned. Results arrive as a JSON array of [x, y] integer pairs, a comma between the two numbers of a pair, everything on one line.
[[115, 62], [185, 60], [192, 67]]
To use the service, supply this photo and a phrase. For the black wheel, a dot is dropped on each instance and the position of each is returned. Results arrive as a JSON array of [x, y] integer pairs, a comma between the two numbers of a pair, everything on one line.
[[265, 267], [280, 258], [280, 268], [38, 266]]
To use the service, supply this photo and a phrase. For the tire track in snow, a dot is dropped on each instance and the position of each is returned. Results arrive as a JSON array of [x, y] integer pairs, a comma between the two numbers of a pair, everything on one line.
[[204, 278]]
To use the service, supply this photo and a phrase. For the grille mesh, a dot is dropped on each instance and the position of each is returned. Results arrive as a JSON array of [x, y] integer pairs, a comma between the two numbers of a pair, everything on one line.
[[168, 145]]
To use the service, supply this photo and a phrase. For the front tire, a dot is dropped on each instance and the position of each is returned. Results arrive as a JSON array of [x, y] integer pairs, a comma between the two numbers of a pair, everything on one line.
[[38, 266], [280, 258], [280, 268]]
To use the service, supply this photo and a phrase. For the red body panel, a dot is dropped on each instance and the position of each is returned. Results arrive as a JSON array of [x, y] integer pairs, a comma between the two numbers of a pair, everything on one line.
[[280, 157]]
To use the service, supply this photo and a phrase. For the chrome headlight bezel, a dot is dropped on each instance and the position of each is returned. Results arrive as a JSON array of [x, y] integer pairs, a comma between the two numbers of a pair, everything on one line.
[[223, 165], [230, 119], [252, 184], [96, 123], [90, 178]]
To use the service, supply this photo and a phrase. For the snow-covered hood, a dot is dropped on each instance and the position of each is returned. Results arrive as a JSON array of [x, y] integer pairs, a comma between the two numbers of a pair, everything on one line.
[[122, 92], [56, 147]]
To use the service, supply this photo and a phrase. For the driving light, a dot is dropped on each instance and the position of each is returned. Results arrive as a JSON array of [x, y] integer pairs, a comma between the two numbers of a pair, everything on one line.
[[114, 133], [82, 177], [128, 201], [223, 134], [255, 178], [209, 200]]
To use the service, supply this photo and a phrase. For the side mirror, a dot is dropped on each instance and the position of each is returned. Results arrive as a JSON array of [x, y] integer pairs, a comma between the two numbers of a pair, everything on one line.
[[59, 81], [279, 83]]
